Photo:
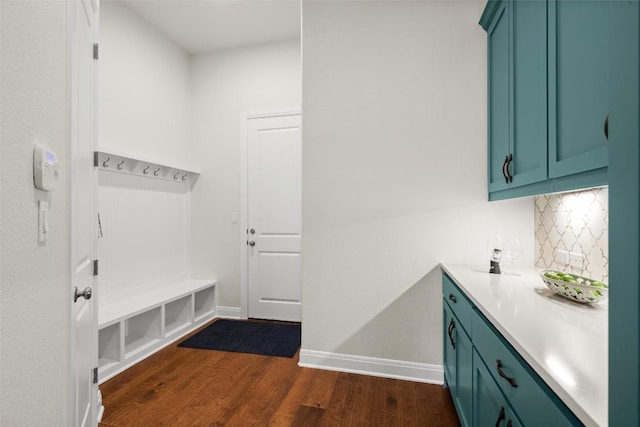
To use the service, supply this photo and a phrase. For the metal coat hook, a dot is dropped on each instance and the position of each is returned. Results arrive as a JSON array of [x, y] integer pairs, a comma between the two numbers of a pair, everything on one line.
[[145, 170], [104, 164], [184, 176], [175, 176], [120, 165], [155, 172]]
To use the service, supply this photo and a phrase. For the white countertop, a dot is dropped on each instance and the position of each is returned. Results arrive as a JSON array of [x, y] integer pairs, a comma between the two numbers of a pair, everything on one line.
[[565, 342]]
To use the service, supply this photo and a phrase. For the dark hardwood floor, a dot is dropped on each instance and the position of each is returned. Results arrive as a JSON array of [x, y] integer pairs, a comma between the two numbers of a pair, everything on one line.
[[189, 387]]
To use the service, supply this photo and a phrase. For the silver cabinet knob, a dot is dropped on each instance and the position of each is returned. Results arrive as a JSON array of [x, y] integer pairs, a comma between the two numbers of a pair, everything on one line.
[[86, 294], [252, 243], [252, 231]]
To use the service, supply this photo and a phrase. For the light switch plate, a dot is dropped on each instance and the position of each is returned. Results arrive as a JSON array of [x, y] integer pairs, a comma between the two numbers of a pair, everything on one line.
[[576, 259], [562, 257], [43, 221]]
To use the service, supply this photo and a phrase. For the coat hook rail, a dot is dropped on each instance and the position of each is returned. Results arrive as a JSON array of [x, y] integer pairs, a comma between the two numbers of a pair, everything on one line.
[[130, 165]]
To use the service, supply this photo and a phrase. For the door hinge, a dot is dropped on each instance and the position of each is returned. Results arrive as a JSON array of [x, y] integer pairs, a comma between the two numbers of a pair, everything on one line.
[[95, 267], [95, 51], [95, 375], [95, 159]]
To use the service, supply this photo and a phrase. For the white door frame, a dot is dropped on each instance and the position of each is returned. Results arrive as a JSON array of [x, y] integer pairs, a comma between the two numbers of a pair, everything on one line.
[[244, 194]]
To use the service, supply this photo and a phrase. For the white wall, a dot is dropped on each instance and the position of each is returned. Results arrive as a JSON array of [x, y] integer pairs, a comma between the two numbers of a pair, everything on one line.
[[144, 90], [146, 224], [226, 84], [34, 281], [394, 172]]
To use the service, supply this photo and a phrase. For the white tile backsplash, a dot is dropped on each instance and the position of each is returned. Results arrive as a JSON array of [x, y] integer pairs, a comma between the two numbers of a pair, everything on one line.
[[575, 222]]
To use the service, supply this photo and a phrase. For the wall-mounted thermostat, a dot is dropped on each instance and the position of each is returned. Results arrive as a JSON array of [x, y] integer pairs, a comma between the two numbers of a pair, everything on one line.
[[45, 168]]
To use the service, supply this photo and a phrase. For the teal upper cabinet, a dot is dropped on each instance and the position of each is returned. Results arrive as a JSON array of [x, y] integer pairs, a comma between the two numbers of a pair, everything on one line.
[[546, 87], [578, 86], [528, 89], [517, 102], [499, 99]]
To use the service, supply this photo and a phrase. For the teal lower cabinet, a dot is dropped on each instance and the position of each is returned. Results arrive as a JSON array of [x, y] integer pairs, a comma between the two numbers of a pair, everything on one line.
[[534, 402], [458, 355], [449, 346], [489, 382], [491, 407]]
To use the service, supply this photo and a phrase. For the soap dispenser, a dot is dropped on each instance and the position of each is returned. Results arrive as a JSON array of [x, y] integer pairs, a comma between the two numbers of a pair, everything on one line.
[[494, 249], [494, 264]]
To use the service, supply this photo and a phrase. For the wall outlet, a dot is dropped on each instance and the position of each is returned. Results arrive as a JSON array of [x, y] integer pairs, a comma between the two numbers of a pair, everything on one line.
[[562, 257], [576, 259]]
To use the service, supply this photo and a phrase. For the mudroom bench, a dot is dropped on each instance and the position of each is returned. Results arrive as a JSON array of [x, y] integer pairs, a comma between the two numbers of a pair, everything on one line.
[[135, 325]]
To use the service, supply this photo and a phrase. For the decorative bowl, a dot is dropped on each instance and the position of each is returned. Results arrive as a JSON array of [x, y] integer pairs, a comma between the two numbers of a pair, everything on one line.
[[579, 290]]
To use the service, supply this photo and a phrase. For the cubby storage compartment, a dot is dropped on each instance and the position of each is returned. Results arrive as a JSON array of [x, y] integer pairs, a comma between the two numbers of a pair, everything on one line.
[[203, 303], [142, 331], [109, 348], [177, 315]]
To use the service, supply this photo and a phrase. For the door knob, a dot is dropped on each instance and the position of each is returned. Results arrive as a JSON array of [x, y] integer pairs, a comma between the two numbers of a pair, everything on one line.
[[252, 243], [86, 294]]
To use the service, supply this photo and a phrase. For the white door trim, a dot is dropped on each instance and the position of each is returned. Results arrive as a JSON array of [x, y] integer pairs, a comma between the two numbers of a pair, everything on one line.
[[73, 12], [244, 194]]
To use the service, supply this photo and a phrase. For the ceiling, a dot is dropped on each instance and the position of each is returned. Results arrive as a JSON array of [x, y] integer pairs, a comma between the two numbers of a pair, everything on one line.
[[204, 25]]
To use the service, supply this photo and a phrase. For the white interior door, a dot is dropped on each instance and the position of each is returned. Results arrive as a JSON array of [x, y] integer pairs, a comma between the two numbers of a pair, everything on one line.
[[274, 169], [83, 21]]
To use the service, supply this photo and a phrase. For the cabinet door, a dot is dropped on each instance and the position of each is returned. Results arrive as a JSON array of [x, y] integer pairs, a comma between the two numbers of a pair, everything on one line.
[[458, 359], [490, 407], [448, 345], [529, 91], [578, 86], [464, 376], [517, 381], [517, 61], [498, 99]]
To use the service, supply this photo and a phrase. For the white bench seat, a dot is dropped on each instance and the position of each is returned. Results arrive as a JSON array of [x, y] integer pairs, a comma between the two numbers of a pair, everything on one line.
[[117, 307]]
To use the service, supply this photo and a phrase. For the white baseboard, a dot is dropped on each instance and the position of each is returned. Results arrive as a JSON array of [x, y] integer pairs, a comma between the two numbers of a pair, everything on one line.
[[228, 312], [398, 369]]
